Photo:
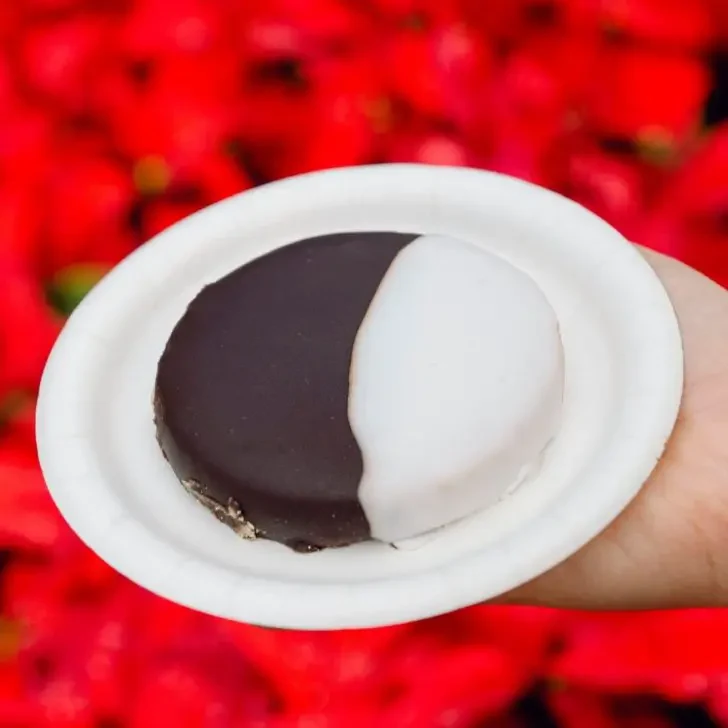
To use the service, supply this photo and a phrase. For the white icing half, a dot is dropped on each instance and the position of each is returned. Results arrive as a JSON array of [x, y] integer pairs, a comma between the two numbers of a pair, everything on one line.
[[456, 386]]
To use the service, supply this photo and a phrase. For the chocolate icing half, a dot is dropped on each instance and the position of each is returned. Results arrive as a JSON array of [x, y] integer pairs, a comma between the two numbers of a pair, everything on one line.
[[252, 390]]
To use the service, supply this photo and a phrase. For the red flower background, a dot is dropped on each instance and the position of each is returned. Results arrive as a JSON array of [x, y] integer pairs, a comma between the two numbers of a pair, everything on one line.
[[118, 117]]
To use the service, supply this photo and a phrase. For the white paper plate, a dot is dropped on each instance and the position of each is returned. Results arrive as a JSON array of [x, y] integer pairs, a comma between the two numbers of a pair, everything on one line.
[[623, 387]]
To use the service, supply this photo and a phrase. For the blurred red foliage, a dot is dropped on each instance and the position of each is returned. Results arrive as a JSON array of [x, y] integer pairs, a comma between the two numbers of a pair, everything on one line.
[[119, 117]]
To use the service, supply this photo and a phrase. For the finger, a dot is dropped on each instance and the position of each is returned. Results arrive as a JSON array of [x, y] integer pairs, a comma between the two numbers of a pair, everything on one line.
[[666, 549]]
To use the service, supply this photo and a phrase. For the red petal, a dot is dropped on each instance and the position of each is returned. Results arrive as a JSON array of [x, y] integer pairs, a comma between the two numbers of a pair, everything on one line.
[[189, 26], [28, 518], [513, 19], [442, 73], [671, 23], [273, 27], [20, 223], [648, 96], [574, 709], [59, 59], [689, 217], [718, 703], [88, 206], [666, 653], [612, 187], [25, 145], [175, 695], [428, 147], [27, 318], [162, 214]]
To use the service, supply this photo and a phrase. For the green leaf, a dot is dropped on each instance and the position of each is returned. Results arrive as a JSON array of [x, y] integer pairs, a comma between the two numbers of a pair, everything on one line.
[[70, 286]]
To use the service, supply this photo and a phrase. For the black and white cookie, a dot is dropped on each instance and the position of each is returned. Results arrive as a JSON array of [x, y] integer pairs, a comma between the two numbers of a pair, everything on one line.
[[358, 386]]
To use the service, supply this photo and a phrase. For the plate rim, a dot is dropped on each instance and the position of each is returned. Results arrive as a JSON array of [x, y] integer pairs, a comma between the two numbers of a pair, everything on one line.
[[301, 605]]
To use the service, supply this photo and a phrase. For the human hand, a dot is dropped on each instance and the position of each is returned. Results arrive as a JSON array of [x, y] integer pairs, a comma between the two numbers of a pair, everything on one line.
[[669, 548]]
